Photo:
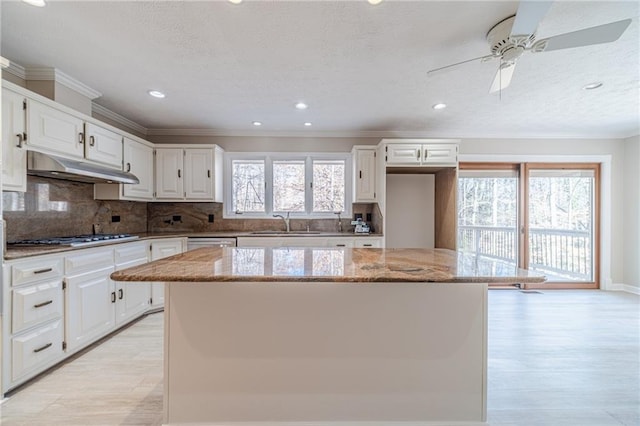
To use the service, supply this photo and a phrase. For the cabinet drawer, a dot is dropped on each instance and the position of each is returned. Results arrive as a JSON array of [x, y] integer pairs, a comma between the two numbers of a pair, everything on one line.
[[130, 252], [36, 269], [36, 350], [88, 260], [366, 242], [340, 242], [36, 304]]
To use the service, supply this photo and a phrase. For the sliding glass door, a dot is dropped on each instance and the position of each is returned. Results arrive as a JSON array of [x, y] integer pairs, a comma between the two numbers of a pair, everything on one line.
[[542, 217]]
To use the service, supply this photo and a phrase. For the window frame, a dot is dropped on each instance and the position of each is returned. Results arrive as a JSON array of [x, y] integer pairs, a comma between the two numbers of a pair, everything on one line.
[[269, 158]]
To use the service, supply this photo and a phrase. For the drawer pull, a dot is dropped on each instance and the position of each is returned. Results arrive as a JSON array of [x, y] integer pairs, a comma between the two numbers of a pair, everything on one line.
[[341, 245], [120, 294], [42, 271], [42, 348], [40, 305], [367, 245]]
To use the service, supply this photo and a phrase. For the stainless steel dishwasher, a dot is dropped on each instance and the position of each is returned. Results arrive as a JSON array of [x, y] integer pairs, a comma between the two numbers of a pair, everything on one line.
[[197, 242]]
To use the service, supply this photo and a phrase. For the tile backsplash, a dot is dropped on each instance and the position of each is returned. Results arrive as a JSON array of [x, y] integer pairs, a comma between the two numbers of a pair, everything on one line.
[[54, 207]]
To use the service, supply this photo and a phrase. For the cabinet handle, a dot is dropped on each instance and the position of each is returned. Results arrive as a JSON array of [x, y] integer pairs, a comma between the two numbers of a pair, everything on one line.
[[179, 173], [40, 305], [92, 141], [367, 245], [113, 297], [80, 138], [42, 271], [128, 167], [341, 245], [208, 173], [418, 154], [20, 139], [42, 348], [120, 293], [360, 174]]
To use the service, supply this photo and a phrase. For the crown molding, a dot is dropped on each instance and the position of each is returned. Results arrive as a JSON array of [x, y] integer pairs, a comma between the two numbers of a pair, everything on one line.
[[284, 133], [105, 112], [16, 70], [53, 74]]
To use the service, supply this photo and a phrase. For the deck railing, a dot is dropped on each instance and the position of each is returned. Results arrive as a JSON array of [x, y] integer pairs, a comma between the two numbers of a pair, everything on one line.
[[565, 254]]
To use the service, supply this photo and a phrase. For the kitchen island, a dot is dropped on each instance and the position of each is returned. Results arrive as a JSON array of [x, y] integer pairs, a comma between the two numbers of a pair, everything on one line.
[[325, 335]]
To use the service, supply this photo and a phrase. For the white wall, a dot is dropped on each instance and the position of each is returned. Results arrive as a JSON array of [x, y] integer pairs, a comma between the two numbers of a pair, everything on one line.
[[631, 204], [612, 228]]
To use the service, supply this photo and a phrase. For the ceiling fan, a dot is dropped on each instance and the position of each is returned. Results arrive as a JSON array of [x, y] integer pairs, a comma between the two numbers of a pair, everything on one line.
[[510, 38]]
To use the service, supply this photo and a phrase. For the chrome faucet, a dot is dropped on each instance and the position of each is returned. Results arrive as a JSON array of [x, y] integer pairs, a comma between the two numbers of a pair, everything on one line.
[[286, 220], [339, 222]]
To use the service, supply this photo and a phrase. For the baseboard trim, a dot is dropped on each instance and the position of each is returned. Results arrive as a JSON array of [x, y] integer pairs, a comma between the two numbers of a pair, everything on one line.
[[338, 423], [624, 287]]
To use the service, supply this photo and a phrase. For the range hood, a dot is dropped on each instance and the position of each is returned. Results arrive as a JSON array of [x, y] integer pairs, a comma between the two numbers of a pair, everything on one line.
[[45, 165]]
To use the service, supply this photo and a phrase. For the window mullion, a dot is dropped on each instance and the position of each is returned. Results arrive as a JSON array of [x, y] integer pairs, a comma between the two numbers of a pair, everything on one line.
[[308, 189], [268, 179]]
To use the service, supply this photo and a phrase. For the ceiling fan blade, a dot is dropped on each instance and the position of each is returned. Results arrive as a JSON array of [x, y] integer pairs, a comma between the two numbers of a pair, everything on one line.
[[595, 35], [529, 15], [503, 77], [436, 70]]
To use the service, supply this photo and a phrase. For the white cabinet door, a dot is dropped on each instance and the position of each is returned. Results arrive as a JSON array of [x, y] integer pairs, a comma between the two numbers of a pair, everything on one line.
[[403, 154], [365, 175], [103, 146], [54, 131], [132, 299], [169, 173], [138, 159], [440, 154], [90, 313], [14, 156], [198, 173], [159, 250]]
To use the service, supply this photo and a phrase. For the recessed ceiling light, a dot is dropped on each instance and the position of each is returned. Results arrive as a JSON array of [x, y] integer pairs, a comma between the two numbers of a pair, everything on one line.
[[302, 105], [307, 124], [374, 2], [439, 106], [235, 1], [257, 123], [592, 86], [37, 3], [156, 94]]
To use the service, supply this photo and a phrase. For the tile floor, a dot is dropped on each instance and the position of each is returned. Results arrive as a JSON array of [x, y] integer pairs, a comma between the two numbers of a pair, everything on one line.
[[555, 358]]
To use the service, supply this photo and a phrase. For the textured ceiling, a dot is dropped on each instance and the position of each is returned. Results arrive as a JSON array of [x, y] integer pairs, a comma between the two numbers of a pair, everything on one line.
[[362, 69]]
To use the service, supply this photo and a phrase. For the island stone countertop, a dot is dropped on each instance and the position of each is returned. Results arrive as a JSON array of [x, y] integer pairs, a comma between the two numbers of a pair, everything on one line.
[[268, 264]]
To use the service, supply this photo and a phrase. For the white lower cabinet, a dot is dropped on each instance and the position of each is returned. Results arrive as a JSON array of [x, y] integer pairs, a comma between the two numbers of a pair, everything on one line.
[[90, 313], [159, 250], [32, 325], [319, 241]]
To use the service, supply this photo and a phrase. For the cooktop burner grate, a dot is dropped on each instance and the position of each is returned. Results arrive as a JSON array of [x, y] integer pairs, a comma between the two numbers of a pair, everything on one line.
[[75, 241]]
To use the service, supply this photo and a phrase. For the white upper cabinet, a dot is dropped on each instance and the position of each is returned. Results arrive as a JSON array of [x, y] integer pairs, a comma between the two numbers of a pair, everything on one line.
[[169, 173], [14, 156], [198, 173], [189, 173], [138, 159], [54, 131], [421, 152], [103, 146], [364, 182]]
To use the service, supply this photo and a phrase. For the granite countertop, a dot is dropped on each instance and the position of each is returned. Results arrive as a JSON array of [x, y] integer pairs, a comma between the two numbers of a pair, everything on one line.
[[18, 252], [326, 264]]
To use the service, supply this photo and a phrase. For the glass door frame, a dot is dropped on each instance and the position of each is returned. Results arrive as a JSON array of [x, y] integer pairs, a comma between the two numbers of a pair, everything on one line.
[[523, 169]]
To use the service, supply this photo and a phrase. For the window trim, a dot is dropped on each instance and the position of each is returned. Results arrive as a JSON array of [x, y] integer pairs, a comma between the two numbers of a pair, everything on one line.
[[269, 158]]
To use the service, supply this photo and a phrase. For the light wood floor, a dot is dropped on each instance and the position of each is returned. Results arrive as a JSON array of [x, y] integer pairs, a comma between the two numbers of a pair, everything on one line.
[[556, 358]]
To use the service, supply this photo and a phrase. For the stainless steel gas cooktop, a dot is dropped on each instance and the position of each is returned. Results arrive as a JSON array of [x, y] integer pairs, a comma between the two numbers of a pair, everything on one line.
[[76, 241]]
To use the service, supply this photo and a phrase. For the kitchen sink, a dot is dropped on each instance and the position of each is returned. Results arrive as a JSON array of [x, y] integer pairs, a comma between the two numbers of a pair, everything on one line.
[[285, 233]]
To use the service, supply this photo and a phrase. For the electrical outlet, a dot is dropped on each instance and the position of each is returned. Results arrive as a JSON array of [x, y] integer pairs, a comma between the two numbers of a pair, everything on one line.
[[368, 217], [115, 219], [210, 218]]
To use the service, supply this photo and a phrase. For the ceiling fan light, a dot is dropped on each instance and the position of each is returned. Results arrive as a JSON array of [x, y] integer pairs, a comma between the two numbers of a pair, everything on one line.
[[439, 106], [593, 86]]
